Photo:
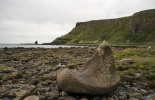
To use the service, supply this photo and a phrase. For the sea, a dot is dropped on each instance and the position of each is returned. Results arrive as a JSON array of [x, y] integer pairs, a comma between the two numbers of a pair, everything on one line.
[[36, 46]]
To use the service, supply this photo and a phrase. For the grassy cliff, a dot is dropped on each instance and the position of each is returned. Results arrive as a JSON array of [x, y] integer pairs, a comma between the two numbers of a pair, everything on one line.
[[136, 29]]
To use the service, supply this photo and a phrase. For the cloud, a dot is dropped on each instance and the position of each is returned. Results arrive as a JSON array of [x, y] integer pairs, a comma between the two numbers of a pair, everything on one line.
[[44, 20]]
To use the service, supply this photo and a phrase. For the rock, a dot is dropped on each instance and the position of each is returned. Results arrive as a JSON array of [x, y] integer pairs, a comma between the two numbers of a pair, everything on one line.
[[103, 98], [121, 91], [53, 77], [96, 98], [122, 97], [98, 75], [52, 95], [137, 76], [42, 97], [21, 93], [126, 61], [127, 78], [66, 98], [140, 85], [33, 97], [84, 98], [136, 95], [64, 93], [151, 97], [18, 91], [143, 92], [133, 99], [3, 89], [149, 48], [110, 98], [43, 89], [116, 97]]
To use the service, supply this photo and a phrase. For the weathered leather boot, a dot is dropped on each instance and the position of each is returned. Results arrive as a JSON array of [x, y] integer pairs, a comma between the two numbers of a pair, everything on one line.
[[97, 76]]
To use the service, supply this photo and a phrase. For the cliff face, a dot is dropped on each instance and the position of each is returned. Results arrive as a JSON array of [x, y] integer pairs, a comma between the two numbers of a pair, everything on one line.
[[139, 28]]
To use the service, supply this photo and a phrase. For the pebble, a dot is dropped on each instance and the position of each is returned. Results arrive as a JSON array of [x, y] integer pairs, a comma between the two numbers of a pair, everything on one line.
[[122, 97], [63, 93], [133, 99], [33, 97], [66, 98], [151, 97], [137, 76], [136, 95], [84, 98], [127, 78], [143, 92], [37, 79]]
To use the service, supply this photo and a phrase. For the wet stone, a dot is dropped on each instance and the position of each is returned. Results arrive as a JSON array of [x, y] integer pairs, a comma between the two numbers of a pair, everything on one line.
[[133, 99], [127, 78], [53, 94], [143, 92], [136, 95], [151, 97], [32, 72], [33, 97], [84, 98], [110, 98], [66, 98], [122, 97]]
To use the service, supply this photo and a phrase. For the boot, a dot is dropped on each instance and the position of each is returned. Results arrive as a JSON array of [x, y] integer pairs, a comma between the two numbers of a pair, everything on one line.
[[97, 76]]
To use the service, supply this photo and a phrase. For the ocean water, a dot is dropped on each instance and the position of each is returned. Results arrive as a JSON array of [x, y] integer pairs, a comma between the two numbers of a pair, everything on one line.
[[36, 46]]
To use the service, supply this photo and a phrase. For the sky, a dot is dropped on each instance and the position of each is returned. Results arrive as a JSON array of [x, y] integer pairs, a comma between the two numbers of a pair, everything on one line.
[[27, 21]]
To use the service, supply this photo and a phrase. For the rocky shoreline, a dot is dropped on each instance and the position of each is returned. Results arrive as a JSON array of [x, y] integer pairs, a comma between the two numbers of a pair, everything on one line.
[[32, 71]]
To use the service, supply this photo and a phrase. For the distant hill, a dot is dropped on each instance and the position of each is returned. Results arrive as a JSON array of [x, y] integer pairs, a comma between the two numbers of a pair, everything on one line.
[[138, 28]]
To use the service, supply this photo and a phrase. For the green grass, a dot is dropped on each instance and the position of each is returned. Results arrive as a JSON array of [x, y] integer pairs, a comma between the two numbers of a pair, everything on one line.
[[151, 76], [142, 58], [136, 29], [1, 76], [143, 62]]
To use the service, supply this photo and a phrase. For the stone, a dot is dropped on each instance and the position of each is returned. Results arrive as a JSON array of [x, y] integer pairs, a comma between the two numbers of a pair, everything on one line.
[[21, 93], [66, 98], [136, 95], [32, 97], [18, 91], [126, 61], [53, 94], [137, 75], [103, 98], [116, 97], [97, 76], [122, 97], [64, 93], [84, 98], [151, 97], [143, 92], [127, 78], [96, 98], [133, 99], [3, 89], [141, 85], [43, 89], [110, 98]]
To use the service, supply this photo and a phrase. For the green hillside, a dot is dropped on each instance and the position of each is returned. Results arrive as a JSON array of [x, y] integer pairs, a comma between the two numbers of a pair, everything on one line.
[[139, 29]]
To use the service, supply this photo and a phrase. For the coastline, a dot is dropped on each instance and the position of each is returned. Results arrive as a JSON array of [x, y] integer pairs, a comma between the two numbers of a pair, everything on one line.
[[39, 67]]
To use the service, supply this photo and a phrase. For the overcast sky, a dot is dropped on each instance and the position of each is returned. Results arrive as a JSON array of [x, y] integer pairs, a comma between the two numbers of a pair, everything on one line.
[[25, 21]]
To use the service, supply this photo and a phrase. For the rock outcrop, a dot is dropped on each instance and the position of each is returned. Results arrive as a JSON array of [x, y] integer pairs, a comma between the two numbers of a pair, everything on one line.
[[138, 28], [97, 76]]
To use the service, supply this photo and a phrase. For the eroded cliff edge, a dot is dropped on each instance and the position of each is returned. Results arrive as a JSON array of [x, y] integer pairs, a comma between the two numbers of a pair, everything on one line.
[[138, 28]]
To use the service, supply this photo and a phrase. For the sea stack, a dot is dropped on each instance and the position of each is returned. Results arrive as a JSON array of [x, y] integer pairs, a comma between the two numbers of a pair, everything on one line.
[[97, 76]]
